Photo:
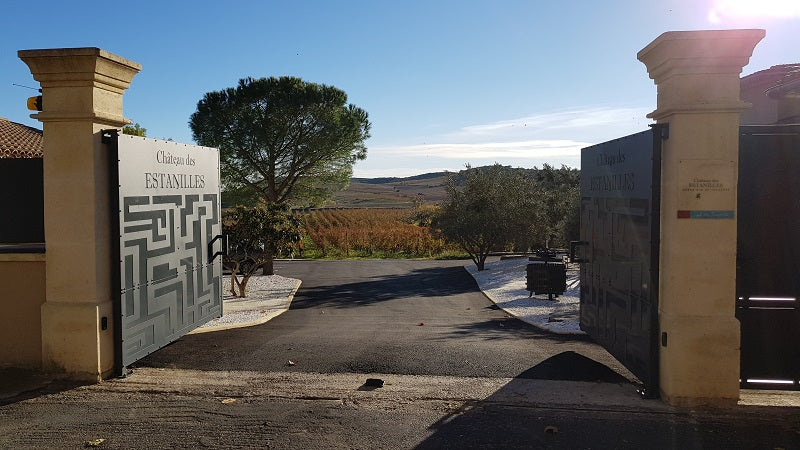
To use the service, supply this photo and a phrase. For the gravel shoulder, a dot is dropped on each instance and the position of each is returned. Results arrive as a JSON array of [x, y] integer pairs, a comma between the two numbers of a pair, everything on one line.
[[504, 283], [268, 296]]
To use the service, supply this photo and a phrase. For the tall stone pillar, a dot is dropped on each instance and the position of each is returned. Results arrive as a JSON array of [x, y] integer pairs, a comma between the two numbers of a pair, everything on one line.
[[81, 94], [697, 75]]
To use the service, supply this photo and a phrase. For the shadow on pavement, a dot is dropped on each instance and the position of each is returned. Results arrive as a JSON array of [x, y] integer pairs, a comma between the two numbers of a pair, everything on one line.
[[571, 366], [18, 385], [427, 282], [512, 328], [602, 412]]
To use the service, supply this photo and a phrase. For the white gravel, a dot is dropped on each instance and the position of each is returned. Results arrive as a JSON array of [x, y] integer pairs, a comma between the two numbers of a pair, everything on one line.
[[504, 283], [235, 318], [261, 286], [267, 296]]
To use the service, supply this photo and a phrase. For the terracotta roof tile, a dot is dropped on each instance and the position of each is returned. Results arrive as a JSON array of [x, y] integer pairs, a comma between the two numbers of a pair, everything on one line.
[[19, 141], [775, 75]]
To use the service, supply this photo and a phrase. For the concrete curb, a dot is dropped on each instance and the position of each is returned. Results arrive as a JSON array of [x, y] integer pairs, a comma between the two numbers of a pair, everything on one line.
[[273, 313]]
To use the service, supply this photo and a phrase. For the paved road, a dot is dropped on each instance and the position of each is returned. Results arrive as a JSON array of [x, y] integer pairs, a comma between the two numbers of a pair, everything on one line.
[[361, 317], [384, 316], [174, 408]]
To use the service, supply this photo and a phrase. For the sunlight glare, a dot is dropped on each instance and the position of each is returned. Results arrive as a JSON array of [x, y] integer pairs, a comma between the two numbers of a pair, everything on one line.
[[736, 9]]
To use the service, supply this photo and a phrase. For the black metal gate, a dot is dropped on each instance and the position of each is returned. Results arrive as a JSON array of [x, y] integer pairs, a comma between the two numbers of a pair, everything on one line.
[[620, 201], [169, 218], [768, 256]]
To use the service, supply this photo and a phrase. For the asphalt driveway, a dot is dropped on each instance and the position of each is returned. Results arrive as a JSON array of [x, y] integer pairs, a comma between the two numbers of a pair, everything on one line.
[[381, 316]]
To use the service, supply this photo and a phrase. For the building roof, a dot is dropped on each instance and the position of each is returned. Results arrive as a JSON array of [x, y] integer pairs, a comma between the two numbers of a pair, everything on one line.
[[774, 76], [19, 141], [774, 94]]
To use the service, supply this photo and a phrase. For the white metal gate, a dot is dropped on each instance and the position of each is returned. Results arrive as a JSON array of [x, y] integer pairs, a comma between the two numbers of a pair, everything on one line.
[[169, 218]]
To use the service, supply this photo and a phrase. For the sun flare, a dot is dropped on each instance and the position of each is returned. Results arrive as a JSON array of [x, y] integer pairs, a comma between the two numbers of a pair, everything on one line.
[[744, 9]]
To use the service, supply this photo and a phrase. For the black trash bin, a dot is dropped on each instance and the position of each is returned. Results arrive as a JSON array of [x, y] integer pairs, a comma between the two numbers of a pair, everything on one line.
[[546, 277]]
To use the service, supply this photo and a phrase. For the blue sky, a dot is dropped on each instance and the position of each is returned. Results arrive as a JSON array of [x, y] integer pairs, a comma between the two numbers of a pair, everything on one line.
[[445, 82]]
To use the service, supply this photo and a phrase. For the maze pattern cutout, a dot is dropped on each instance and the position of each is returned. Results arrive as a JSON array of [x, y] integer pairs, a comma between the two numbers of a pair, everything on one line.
[[168, 286]]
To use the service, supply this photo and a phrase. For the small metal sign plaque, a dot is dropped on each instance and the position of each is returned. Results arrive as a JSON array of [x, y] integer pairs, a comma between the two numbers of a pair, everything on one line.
[[707, 189], [169, 212]]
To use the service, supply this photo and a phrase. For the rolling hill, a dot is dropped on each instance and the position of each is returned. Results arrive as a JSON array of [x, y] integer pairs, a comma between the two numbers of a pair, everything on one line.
[[392, 192]]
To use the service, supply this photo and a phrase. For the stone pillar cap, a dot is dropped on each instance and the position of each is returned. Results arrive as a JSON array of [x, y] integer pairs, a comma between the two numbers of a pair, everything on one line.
[[61, 66], [77, 51], [71, 78], [698, 71], [702, 51]]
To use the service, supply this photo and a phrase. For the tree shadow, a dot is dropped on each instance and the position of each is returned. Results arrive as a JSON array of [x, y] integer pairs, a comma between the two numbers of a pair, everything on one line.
[[497, 328], [426, 282]]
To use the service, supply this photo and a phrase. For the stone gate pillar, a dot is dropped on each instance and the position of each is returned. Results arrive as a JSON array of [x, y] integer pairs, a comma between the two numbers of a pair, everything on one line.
[[81, 94], [697, 75]]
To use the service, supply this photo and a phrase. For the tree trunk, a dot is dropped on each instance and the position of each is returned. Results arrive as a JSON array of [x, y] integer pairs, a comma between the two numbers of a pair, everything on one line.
[[234, 283], [269, 265], [243, 286], [481, 263], [234, 280]]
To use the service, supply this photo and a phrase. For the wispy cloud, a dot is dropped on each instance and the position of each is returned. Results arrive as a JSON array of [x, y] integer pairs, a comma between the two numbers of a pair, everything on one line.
[[559, 124], [467, 151], [553, 138], [539, 136]]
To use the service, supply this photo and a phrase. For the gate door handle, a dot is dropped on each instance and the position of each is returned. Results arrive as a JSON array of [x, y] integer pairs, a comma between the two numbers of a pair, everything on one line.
[[573, 247], [212, 255]]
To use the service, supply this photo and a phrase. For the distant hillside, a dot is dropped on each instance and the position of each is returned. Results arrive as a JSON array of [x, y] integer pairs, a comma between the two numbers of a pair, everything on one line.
[[424, 176], [392, 192]]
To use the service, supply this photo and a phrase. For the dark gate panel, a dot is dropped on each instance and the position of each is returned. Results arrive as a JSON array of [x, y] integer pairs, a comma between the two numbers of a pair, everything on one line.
[[768, 256], [21, 200], [169, 215], [620, 185]]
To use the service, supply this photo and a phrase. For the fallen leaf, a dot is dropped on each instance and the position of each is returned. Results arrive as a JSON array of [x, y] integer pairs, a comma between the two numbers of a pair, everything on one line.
[[229, 401], [551, 429], [420, 324], [291, 363], [94, 443]]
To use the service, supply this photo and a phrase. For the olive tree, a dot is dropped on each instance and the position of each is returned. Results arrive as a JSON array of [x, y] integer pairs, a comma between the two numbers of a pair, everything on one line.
[[560, 195], [256, 236], [488, 209]]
